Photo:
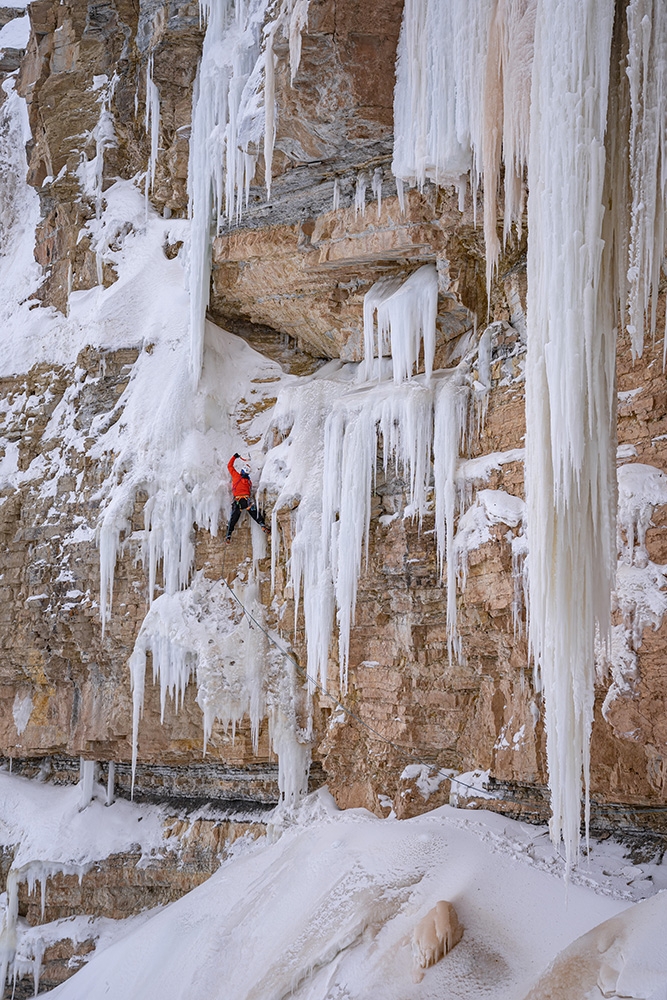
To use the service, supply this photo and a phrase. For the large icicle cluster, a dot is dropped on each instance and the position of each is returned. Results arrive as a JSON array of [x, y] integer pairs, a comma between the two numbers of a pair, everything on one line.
[[399, 317], [523, 86], [219, 172], [233, 117], [462, 101], [334, 428], [202, 631]]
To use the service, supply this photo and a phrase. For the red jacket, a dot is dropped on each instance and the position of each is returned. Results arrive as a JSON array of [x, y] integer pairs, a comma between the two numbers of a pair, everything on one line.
[[241, 485]]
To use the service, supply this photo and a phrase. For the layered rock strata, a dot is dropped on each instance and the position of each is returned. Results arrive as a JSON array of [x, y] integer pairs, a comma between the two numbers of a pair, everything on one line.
[[291, 278]]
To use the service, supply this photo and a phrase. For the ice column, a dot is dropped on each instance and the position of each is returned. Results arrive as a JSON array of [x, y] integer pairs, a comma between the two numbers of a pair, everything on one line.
[[570, 454], [87, 770], [450, 426], [152, 123], [647, 75]]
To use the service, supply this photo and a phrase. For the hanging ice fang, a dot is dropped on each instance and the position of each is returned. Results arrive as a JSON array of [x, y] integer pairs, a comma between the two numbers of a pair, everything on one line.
[[570, 453]]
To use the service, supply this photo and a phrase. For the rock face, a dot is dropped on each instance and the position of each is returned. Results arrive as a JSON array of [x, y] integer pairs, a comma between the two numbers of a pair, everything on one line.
[[290, 277]]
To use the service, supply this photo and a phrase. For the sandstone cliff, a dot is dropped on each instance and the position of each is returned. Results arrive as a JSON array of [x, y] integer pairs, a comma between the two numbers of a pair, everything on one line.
[[288, 276]]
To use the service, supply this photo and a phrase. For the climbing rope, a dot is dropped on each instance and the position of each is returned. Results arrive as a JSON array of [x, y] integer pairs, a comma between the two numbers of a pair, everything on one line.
[[402, 751]]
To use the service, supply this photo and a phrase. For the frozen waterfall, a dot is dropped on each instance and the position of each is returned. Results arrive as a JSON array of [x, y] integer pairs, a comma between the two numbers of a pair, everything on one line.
[[523, 86]]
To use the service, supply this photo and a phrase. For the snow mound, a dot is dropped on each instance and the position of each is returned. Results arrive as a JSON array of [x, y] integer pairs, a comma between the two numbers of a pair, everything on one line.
[[328, 911], [625, 956]]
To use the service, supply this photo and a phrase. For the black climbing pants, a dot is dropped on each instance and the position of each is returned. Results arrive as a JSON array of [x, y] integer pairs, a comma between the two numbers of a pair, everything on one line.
[[244, 503]]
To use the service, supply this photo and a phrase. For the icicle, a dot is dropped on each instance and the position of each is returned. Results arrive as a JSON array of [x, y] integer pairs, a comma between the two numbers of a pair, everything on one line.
[[450, 417], [204, 632], [137, 667], [335, 200], [406, 314], [570, 453], [400, 193], [111, 778], [8, 933], [234, 112], [219, 169], [332, 442], [374, 346], [461, 102], [269, 106], [105, 138], [360, 194], [439, 90], [293, 757], [86, 782], [152, 125], [298, 21], [516, 54], [376, 188]]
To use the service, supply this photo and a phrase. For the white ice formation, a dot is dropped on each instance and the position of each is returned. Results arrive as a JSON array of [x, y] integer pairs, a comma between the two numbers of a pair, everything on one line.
[[333, 430], [203, 631], [152, 123], [233, 118], [524, 86], [399, 319]]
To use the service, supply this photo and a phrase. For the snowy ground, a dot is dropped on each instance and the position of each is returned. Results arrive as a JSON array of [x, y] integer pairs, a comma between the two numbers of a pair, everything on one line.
[[325, 907]]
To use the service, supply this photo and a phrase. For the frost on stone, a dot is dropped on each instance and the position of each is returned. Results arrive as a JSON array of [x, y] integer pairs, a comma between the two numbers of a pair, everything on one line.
[[490, 507]]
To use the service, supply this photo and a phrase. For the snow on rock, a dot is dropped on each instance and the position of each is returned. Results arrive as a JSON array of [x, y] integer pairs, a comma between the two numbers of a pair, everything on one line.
[[32, 942], [625, 956], [50, 832], [15, 34], [343, 927], [478, 470], [490, 507], [162, 437], [424, 780], [640, 489]]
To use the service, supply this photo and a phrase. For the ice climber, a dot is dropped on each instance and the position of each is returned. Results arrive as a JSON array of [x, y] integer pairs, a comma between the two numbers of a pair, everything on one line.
[[242, 491]]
